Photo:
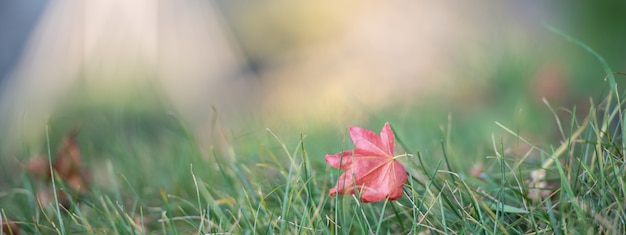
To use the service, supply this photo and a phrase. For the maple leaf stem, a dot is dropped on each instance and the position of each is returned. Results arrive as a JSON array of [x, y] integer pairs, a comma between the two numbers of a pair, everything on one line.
[[402, 155]]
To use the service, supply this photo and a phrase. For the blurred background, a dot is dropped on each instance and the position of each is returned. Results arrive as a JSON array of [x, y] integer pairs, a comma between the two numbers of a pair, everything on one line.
[[226, 70]]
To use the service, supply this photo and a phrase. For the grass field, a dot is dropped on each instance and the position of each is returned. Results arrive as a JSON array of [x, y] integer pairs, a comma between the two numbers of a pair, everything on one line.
[[502, 171]]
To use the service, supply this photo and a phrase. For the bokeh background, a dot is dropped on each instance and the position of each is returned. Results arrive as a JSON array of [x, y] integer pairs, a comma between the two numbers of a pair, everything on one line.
[[133, 72]]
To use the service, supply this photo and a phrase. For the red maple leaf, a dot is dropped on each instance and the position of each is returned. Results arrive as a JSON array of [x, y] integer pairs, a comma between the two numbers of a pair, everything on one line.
[[371, 167]]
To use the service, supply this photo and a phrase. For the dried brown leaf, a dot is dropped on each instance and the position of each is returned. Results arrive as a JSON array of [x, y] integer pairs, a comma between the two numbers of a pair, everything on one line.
[[68, 163]]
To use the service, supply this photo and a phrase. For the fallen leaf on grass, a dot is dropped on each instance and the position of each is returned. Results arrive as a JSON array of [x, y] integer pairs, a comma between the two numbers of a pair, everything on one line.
[[67, 164], [371, 167]]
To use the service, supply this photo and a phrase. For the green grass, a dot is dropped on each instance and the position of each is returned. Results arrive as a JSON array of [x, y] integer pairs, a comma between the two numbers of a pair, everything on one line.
[[167, 185], [151, 175]]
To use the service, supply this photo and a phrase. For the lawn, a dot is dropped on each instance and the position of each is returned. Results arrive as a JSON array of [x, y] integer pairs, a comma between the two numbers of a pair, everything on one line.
[[512, 169]]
